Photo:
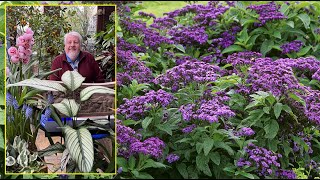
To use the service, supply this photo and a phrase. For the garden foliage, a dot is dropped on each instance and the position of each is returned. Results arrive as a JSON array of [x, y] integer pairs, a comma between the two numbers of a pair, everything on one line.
[[222, 90]]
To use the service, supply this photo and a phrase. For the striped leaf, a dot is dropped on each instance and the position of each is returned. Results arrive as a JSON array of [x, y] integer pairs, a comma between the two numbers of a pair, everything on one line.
[[72, 79], [80, 145], [68, 107], [87, 92], [52, 149], [44, 85]]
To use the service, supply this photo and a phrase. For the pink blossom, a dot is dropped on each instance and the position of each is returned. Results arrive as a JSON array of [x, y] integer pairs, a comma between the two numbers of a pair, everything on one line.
[[15, 59], [28, 52], [25, 60], [12, 51], [22, 55], [21, 49], [21, 41], [27, 37], [29, 31]]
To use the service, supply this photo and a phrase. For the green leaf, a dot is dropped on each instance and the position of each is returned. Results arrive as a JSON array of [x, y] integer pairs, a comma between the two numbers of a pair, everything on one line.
[[180, 47], [199, 147], [2, 117], [303, 51], [297, 98], [277, 109], [72, 79], [146, 122], [215, 157], [202, 164], [225, 147], [232, 48], [271, 129], [87, 92], [245, 174], [52, 149], [151, 163], [132, 162], [182, 168], [122, 162], [166, 128], [80, 145], [286, 147], [1, 139], [68, 107], [45, 85], [208, 144], [290, 23], [266, 46], [305, 19], [277, 34]]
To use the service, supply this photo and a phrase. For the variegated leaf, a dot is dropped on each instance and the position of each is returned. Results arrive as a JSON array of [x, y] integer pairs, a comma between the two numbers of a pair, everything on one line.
[[80, 145], [44, 85], [68, 107], [64, 159], [87, 92], [72, 79]]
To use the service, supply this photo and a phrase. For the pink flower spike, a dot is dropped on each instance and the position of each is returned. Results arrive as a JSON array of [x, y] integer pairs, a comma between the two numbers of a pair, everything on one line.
[[21, 41], [29, 31], [15, 59], [25, 60], [28, 52], [22, 55], [12, 51], [27, 37], [21, 49]]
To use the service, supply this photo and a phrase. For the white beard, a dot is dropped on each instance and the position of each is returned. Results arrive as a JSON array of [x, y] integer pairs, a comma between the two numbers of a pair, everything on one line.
[[73, 55]]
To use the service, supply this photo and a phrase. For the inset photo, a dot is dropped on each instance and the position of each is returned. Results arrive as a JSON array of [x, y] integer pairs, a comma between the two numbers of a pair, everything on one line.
[[60, 89]]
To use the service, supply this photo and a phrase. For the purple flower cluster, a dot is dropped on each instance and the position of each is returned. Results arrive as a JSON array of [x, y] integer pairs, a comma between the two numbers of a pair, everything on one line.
[[179, 76], [133, 69], [189, 129], [135, 28], [124, 45], [290, 47], [148, 15], [137, 107], [267, 12], [286, 174], [242, 58], [172, 158], [11, 101], [307, 139], [245, 131], [184, 59], [227, 38], [312, 109], [152, 146], [302, 64], [164, 23], [262, 158], [153, 39], [316, 75], [188, 35], [125, 137], [207, 110], [266, 75]]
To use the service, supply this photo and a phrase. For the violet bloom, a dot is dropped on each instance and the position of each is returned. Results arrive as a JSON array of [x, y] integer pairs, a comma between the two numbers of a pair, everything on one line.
[[137, 107], [267, 12], [152, 146], [245, 131], [172, 158], [189, 129], [290, 47]]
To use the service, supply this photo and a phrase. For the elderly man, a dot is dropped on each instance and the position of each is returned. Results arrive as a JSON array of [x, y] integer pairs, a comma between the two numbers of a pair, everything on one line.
[[75, 59]]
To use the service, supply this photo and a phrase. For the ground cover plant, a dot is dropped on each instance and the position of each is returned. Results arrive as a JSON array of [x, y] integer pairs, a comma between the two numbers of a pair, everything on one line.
[[219, 90]]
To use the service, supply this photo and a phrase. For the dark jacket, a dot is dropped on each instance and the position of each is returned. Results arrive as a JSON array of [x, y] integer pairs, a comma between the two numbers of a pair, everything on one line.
[[87, 67]]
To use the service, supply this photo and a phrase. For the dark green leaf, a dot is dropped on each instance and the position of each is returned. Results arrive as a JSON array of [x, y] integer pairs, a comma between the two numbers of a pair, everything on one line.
[[180, 47], [277, 109], [271, 129], [182, 168], [145, 123], [215, 157], [305, 19], [232, 48], [202, 164], [208, 144], [266, 46]]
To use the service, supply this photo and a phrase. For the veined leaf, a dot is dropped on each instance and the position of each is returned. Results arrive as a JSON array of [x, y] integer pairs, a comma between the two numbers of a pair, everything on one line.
[[72, 79], [45, 85], [87, 92], [68, 107], [305, 18], [52, 149], [232, 48], [80, 145], [1, 139]]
